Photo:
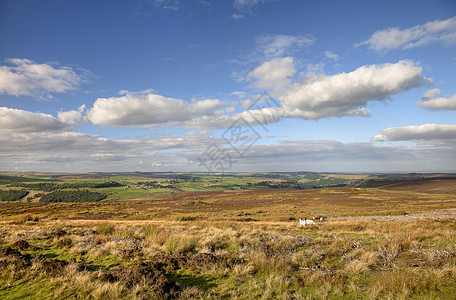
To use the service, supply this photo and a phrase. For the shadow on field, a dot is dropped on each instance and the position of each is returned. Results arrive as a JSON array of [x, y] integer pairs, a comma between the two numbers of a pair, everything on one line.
[[201, 281]]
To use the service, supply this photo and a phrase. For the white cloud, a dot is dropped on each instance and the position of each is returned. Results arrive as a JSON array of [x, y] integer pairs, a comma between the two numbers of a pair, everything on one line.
[[72, 116], [279, 45], [16, 120], [315, 97], [332, 55], [237, 16], [245, 103], [203, 106], [431, 102], [430, 94], [230, 109], [167, 4], [240, 95], [135, 109], [23, 77], [274, 74], [269, 47], [417, 132], [249, 4], [207, 122], [439, 31], [346, 94]]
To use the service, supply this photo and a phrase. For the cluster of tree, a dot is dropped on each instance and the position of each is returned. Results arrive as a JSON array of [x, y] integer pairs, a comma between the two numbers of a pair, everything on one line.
[[293, 184], [313, 176], [13, 195], [275, 184], [53, 186], [155, 184], [72, 196], [327, 182]]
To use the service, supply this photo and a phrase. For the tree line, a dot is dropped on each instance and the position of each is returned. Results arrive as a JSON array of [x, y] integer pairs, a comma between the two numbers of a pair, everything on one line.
[[13, 195], [72, 196], [294, 184], [52, 186]]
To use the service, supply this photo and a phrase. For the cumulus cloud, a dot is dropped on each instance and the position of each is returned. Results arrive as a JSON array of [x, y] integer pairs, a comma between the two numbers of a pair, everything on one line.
[[417, 132], [278, 45], [315, 97], [269, 47], [72, 116], [346, 94], [17, 120], [23, 77], [135, 109], [332, 55], [442, 103], [273, 74], [439, 31]]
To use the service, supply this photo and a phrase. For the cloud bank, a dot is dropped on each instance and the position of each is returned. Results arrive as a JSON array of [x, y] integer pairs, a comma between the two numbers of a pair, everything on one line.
[[82, 152]]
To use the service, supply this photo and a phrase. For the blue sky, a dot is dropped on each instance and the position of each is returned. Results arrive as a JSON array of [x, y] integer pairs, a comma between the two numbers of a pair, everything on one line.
[[159, 85]]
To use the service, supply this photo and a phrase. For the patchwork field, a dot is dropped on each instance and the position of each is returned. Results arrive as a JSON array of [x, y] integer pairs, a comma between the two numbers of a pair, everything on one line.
[[193, 236]]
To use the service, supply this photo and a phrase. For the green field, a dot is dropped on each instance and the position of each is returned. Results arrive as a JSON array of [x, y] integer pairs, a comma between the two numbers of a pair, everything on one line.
[[133, 187]]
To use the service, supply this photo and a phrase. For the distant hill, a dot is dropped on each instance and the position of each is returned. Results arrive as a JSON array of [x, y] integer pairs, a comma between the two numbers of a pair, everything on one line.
[[432, 185]]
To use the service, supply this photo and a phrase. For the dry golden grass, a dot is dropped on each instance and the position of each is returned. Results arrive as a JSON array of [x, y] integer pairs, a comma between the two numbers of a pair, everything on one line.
[[241, 245], [205, 259]]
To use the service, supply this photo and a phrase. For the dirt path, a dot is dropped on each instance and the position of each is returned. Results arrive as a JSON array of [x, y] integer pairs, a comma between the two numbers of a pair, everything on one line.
[[444, 214]]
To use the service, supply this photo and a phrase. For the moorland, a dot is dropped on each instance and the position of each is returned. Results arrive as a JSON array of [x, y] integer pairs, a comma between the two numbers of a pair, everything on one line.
[[222, 236]]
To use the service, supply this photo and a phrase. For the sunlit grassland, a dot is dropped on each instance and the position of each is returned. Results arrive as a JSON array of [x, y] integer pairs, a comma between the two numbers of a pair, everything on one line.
[[227, 259], [222, 244]]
